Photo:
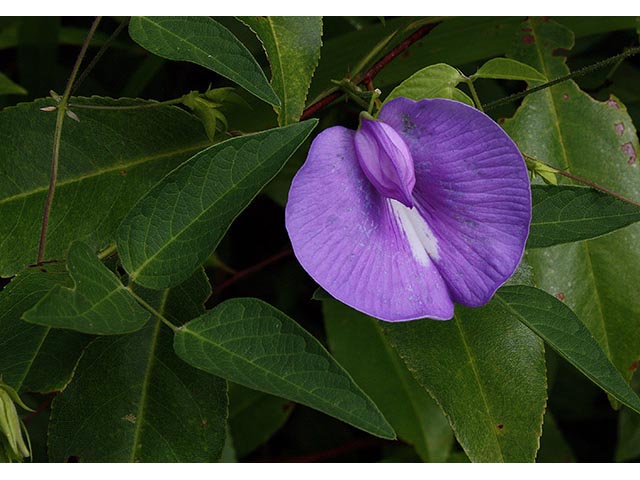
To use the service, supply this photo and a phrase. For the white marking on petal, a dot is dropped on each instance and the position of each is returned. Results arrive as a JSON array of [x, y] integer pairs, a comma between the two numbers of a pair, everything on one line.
[[424, 245]]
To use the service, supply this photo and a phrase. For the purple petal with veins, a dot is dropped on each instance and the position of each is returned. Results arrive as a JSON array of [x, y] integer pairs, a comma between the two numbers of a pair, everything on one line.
[[427, 206]]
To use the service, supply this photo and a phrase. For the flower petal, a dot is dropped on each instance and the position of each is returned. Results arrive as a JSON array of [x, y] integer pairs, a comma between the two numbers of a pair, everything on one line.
[[472, 189], [353, 241]]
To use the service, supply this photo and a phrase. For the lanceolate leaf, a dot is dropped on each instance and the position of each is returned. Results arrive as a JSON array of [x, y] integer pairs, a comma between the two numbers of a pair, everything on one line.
[[566, 128], [487, 372], [107, 161], [133, 400], [251, 343], [293, 48], [508, 69], [98, 303], [204, 41], [175, 227], [434, 81], [357, 341], [20, 342], [563, 214], [554, 322]]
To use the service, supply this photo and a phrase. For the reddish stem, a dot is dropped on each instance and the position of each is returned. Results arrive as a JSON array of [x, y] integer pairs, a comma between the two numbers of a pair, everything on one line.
[[370, 74], [319, 105], [397, 50], [254, 268], [43, 406]]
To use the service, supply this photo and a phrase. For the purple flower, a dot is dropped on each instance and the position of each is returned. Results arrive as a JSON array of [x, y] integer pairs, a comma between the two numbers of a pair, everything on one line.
[[426, 206]]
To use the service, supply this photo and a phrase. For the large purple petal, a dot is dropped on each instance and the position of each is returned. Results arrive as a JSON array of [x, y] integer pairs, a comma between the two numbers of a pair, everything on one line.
[[349, 239], [472, 188]]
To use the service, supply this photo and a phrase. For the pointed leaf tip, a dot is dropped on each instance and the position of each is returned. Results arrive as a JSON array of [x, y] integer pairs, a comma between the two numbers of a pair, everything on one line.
[[251, 343]]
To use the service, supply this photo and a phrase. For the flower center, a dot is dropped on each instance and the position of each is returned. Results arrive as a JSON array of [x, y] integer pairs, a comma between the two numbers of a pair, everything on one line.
[[385, 159]]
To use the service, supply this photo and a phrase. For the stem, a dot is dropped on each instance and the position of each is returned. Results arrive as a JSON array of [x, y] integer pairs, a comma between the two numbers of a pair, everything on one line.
[[370, 74], [107, 252], [320, 104], [43, 406], [98, 55], [254, 268], [173, 101], [585, 182], [474, 94], [152, 310], [578, 73], [62, 110], [397, 50]]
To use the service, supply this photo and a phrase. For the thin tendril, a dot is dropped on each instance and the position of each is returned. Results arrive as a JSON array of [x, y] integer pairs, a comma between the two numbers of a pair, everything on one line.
[[98, 55]]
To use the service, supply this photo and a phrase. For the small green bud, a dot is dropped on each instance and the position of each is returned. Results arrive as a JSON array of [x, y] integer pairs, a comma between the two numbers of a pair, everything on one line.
[[546, 172]]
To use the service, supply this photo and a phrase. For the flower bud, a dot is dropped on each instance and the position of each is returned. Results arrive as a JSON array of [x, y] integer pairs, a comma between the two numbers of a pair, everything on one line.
[[10, 425], [385, 159]]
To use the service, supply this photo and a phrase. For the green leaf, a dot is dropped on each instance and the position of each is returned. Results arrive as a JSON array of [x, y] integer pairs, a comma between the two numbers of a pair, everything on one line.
[[20, 342], [254, 417], [566, 128], [98, 303], [7, 87], [251, 343], [486, 371], [458, 41], [358, 343], [292, 45], [203, 41], [143, 403], [434, 81], [174, 228], [107, 161], [566, 214], [508, 69], [57, 358], [560, 328]]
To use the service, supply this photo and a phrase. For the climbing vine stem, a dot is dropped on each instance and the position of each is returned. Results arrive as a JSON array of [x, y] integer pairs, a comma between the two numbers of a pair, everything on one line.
[[62, 109]]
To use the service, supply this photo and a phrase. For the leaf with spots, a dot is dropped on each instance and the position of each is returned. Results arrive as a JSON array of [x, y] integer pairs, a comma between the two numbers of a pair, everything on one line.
[[564, 214], [293, 46], [142, 402], [97, 303], [565, 127], [251, 343], [107, 162], [203, 41], [176, 226], [486, 370]]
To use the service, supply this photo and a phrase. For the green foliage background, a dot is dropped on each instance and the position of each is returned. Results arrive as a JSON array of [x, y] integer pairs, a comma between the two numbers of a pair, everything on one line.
[[169, 318]]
